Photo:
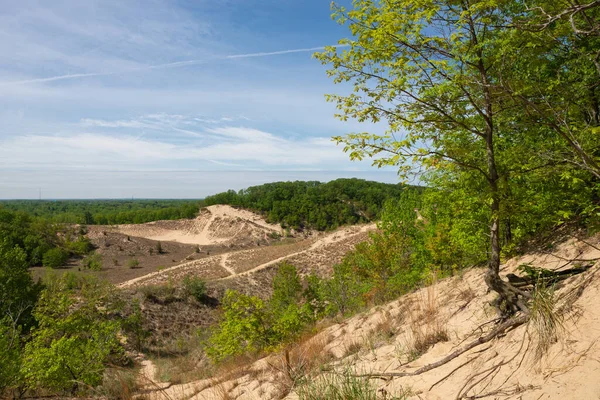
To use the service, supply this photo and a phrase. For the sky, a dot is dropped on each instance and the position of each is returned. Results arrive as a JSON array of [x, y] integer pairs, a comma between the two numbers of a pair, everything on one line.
[[167, 99]]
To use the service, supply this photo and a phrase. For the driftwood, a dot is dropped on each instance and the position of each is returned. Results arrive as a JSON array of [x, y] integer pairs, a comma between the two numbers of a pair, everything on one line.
[[546, 277]]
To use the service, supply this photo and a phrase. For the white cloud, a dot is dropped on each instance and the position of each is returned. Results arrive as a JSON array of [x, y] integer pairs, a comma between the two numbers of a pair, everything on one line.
[[238, 146]]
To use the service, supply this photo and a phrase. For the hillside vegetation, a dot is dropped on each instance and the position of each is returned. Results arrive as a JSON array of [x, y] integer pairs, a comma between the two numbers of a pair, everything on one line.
[[313, 204]]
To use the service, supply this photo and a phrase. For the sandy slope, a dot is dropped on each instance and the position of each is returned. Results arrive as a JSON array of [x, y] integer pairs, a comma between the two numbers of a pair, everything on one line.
[[216, 224], [501, 369]]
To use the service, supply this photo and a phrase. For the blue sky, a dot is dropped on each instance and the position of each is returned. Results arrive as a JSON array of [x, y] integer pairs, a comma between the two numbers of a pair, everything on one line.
[[151, 98]]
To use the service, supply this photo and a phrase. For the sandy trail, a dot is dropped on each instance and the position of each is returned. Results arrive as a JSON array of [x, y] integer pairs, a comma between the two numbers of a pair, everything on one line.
[[151, 275], [224, 265], [331, 238]]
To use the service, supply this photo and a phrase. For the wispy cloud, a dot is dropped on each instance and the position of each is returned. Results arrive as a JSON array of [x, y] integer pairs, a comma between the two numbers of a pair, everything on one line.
[[233, 146], [163, 66]]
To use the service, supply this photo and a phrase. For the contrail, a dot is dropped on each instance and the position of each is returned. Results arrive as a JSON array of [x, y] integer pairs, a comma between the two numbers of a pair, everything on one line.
[[275, 53], [56, 78], [165, 65]]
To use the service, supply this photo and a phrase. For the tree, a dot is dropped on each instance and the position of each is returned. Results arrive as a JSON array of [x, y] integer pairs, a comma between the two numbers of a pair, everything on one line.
[[245, 327], [428, 69], [554, 78], [74, 340], [18, 292]]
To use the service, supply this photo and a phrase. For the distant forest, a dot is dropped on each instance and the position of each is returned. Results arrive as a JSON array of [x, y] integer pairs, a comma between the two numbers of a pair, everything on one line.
[[314, 204], [296, 205], [105, 212]]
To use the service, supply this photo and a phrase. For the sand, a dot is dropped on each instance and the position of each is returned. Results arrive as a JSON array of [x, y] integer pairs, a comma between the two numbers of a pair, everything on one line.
[[379, 341]]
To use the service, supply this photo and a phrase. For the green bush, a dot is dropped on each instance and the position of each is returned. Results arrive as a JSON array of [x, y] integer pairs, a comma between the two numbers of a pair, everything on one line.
[[55, 258], [133, 263], [195, 287], [92, 262], [159, 293], [81, 246], [75, 338]]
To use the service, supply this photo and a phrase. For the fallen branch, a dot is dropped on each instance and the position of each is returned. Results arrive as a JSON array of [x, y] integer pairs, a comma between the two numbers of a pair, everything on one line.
[[456, 369], [500, 329]]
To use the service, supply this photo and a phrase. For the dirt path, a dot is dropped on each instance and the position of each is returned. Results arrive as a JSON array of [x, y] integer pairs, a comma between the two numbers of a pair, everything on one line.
[[224, 265], [133, 281], [331, 238]]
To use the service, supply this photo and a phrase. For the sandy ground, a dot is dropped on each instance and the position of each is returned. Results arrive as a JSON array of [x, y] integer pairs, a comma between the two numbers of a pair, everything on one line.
[[216, 224], [381, 340], [247, 262]]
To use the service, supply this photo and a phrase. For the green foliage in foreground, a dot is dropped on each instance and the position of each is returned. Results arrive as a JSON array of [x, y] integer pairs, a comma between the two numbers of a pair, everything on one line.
[[74, 340], [250, 324], [64, 345], [10, 355], [313, 204]]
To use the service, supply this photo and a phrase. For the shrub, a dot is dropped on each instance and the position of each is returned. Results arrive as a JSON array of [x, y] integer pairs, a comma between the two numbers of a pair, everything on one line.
[[159, 293], [134, 327], [74, 340], [80, 247], [133, 263], [92, 262], [55, 258], [119, 384], [195, 287]]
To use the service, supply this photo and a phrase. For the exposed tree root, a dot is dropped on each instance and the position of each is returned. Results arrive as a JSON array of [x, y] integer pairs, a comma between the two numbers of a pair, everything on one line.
[[499, 330], [490, 372]]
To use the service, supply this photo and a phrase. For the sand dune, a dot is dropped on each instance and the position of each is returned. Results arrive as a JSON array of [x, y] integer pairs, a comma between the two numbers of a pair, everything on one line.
[[218, 224], [504, 368]]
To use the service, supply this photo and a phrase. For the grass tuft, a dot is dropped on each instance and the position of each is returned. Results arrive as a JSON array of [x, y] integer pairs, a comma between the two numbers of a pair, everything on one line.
[[344, 386], [546, 322]]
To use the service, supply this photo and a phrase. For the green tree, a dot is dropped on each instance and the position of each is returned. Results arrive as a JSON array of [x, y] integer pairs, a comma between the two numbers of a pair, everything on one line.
[[288, 314], [428, 69], [245, 327], [18, 292], [10, 355], [74, 340], [554, 78]]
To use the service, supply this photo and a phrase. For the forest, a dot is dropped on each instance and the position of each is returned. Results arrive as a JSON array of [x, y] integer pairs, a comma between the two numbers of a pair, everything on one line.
[[105, 212], [313, 204]]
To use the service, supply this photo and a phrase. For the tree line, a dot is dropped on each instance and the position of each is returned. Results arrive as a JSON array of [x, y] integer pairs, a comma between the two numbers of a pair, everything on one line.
[[313, 204], [105, 212]]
